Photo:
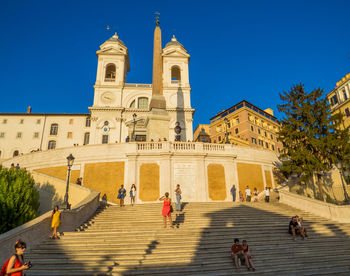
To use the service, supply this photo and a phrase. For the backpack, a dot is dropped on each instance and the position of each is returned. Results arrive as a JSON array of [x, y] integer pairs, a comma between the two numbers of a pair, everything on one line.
[[4, 267]]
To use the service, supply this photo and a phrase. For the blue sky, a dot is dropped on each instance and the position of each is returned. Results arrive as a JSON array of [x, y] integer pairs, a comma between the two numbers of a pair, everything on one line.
[[250, 50]]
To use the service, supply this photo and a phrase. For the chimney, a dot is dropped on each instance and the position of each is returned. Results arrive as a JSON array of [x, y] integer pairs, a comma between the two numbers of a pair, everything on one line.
[[29, 110]]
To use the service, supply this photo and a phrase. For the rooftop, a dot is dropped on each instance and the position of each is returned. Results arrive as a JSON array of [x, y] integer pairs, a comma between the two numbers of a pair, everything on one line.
[[240, 105]]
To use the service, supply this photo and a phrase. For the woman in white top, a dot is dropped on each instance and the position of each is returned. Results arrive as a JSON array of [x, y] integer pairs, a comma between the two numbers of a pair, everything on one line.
[[133, 194]]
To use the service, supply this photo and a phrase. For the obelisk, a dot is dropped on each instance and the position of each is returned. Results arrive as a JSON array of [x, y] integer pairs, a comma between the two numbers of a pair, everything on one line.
[[158, 118]]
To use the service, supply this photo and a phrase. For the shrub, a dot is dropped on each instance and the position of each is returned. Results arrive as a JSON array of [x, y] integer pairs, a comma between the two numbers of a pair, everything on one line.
[[19, 200]]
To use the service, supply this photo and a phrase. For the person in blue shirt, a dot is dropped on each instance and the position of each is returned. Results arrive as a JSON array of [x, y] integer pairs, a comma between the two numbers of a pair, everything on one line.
[[233, 193]]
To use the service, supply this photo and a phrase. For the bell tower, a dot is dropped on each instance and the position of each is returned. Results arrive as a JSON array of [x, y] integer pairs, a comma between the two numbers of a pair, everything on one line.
[[113, 65]]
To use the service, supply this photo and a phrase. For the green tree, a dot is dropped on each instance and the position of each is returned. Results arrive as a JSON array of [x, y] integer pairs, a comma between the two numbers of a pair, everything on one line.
[[19, 200], [308, 134]]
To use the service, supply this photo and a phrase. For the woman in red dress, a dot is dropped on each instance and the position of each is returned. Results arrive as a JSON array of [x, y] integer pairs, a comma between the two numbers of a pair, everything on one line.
[[166, 211]]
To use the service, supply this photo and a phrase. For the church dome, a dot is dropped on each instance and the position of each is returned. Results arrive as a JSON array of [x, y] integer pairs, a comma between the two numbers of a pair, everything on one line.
[[173, 42], [115, 38]]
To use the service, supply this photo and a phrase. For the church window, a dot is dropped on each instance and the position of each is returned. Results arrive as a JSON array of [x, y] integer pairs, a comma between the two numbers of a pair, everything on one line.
[[54, 129], [21, 121], [175, 74], [2, 134], [106, 123], [4, 121], [71, 121], [88, 122], [203, 130], [142, 103], [110, 72], [38, 121], [36, 135], [52, 144], [104, 139], [19, 135], [86, 138], [15, 153], [132, 105], [69, 135]]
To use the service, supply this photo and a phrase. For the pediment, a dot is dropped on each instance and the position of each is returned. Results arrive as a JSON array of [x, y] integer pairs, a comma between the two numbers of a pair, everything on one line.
[[175, 53], [112, 50]]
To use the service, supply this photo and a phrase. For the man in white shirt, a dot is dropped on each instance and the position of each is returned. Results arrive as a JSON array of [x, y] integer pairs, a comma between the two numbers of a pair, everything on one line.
[[267, 194], [248, 195]]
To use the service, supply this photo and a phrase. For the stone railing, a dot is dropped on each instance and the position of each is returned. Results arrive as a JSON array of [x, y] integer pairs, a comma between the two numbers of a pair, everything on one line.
[[183, 146], [149, 146], [138, 85], [37, 230], [319, 208], [180, 146]]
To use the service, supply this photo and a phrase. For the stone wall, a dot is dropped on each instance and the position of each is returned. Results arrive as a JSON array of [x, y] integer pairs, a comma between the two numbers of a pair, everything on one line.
[[205, 172]]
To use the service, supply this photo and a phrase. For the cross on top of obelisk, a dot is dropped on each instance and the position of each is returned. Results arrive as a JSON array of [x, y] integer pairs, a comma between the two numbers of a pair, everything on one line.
[[157, 18]]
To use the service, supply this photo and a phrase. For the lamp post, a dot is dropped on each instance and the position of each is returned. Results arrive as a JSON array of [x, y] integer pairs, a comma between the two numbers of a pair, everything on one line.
[[70, 161], [226, 134], [339, 166], [133, 131]]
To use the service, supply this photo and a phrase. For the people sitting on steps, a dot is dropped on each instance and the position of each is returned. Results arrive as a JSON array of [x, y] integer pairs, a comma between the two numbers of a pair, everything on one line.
[[247, 256], [237, 253], [295, 228]]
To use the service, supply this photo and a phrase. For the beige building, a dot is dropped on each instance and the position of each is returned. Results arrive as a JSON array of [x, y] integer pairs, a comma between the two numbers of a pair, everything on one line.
[[201, 134], [246, 124], [119, 111], [339, 99]]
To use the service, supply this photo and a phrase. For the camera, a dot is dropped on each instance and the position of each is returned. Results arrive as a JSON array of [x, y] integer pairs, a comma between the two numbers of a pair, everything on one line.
[[29, 264]]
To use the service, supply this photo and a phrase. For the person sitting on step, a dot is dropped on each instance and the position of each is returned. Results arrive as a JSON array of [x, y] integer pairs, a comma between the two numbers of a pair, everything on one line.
[[296, 229], [247, 256], [237, 252]]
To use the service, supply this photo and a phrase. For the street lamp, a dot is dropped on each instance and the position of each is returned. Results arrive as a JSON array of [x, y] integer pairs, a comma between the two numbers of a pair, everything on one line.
[[339, 166], [226, 134], [133, 131], [70, 161]]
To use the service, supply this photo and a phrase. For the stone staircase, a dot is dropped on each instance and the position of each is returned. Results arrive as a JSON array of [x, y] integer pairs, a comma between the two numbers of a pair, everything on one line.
[[132, 241]]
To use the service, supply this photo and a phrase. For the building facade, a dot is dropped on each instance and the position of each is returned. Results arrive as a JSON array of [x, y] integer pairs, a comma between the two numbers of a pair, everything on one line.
[[201, 134], [339, 99], [119, 111], [246, 124]]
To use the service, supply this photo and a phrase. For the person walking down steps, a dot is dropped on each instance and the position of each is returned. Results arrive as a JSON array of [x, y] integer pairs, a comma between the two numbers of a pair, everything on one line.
[[56, 221], [121, 195], [132, 194], [178, 198]]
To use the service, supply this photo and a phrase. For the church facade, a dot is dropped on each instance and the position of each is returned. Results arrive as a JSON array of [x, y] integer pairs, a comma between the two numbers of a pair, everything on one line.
[[119, 112]]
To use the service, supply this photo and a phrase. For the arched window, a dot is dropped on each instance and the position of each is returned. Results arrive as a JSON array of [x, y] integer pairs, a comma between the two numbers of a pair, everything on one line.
[[52, 144], [132, 105], [110, 72], [54, 129], [142, 103], [175, 74], [15, 153]]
